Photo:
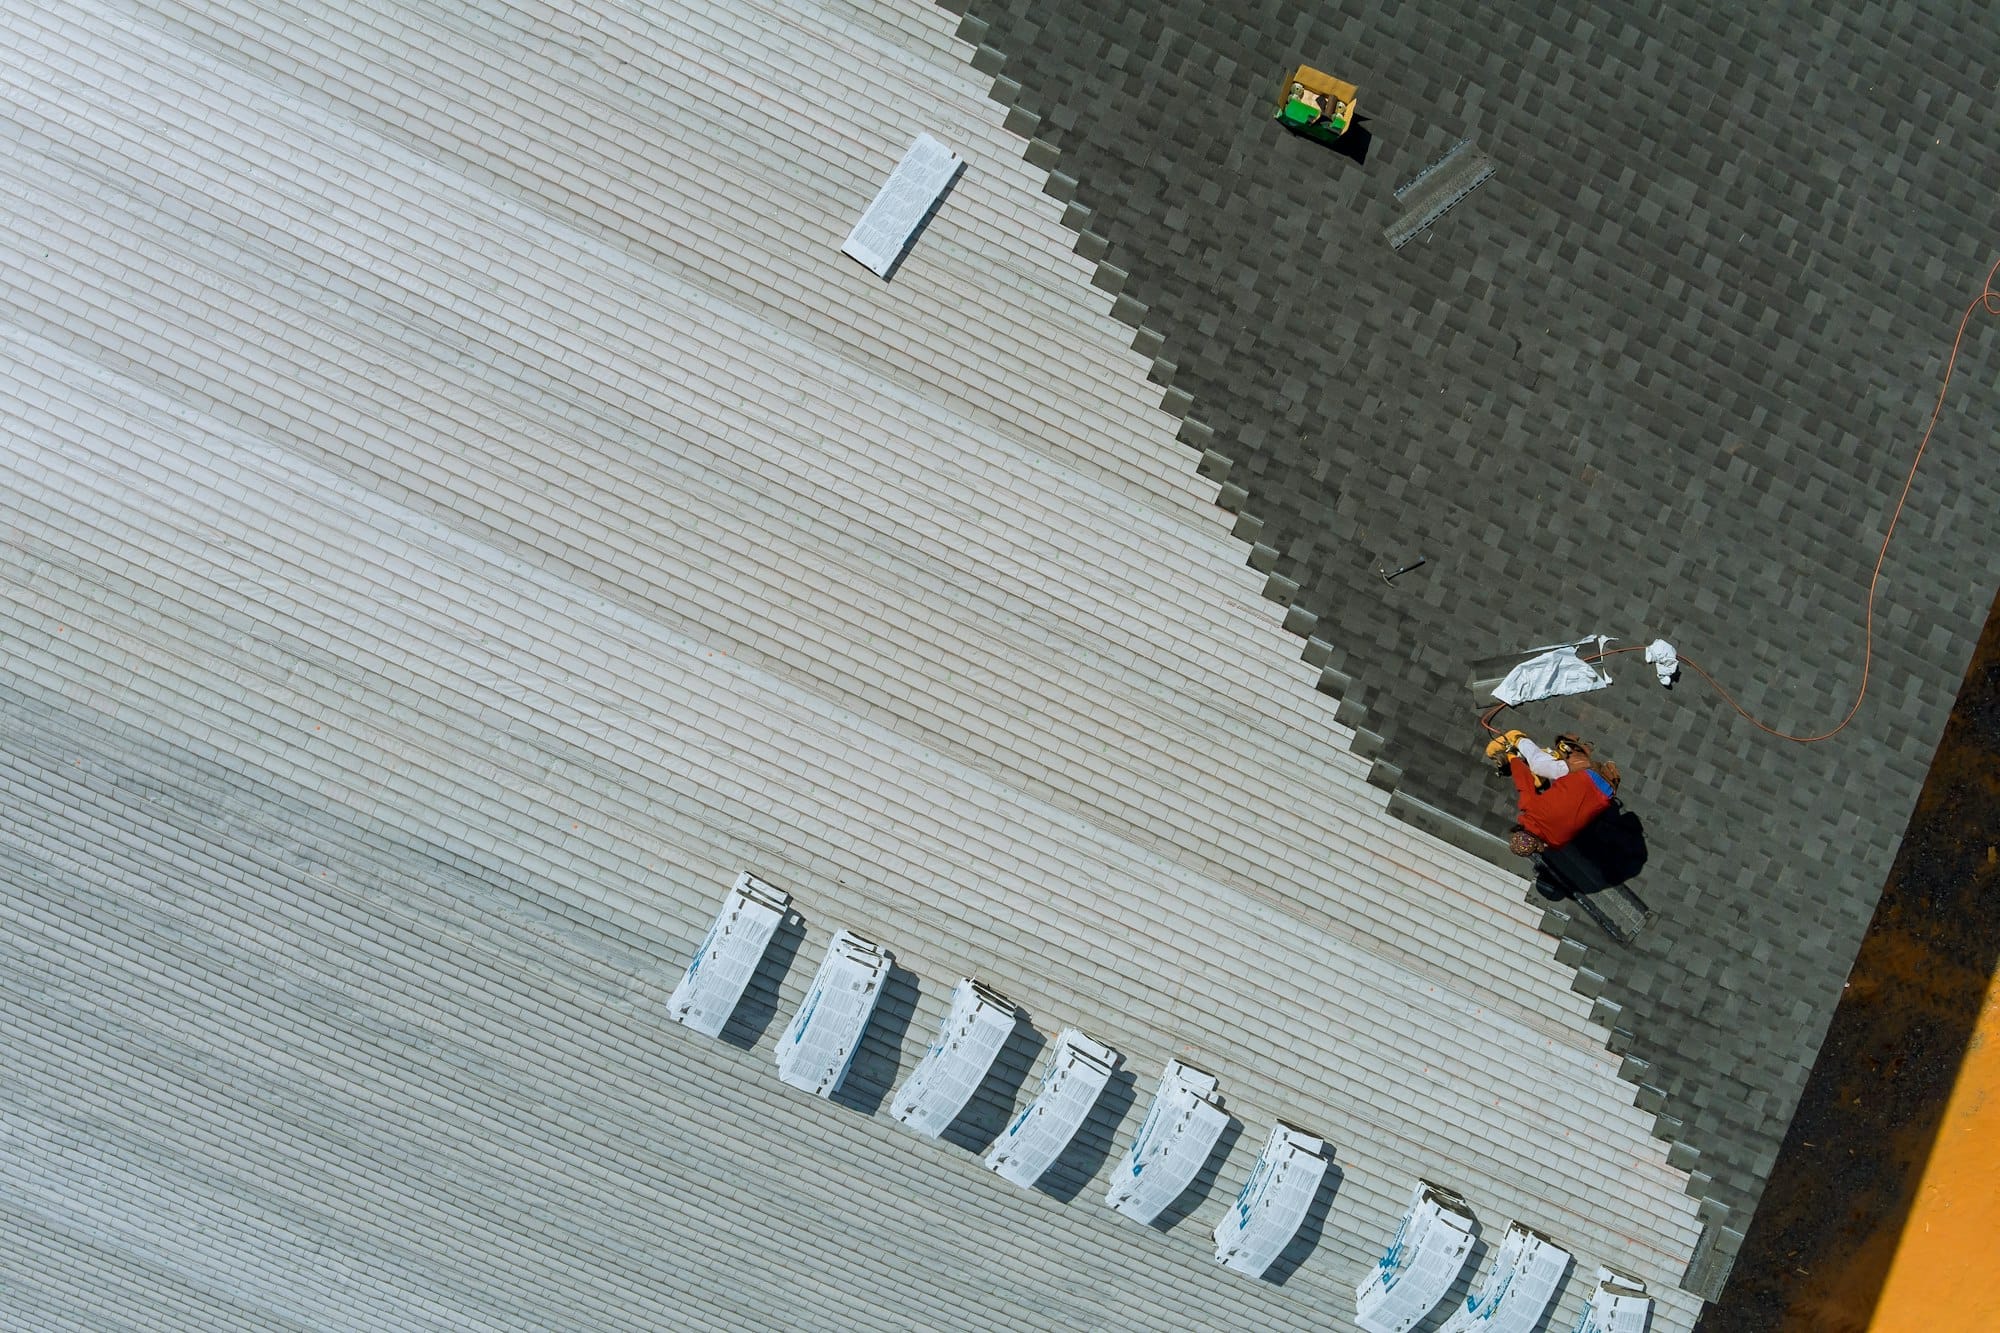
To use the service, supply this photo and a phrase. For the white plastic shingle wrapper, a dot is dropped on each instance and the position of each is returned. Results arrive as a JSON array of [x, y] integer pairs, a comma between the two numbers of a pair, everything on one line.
[[1556, 670], [819, 1043], [1177, 1136], [728, 957], [975, 1029], [1619, 1305], [1517, 1293], [889, 222], [1421, 1263], [1079, 1067], [1273, 1202]]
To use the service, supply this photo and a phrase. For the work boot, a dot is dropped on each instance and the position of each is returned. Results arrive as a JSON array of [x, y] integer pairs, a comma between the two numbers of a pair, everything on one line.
[[1501, 750]]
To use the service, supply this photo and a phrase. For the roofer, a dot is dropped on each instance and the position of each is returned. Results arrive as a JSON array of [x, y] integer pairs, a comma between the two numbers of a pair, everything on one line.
[[1560, 790]]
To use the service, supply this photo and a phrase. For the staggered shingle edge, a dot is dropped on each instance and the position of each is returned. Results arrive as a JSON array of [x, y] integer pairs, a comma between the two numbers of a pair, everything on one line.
[[1241, 1243], [1722, 1231]]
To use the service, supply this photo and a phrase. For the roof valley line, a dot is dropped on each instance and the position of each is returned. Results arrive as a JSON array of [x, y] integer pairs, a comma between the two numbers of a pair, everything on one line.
[[1179, 1134]]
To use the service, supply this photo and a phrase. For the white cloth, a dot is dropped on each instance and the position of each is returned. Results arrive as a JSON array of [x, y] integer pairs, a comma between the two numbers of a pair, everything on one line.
[[1666, 662]]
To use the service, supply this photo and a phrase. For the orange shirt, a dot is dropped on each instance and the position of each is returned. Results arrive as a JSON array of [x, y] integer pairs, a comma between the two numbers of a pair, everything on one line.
[[1559, 813]]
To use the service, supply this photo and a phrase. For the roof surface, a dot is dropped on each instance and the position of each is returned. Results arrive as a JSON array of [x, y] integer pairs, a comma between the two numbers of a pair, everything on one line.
[[1662, 375], [461, 510]]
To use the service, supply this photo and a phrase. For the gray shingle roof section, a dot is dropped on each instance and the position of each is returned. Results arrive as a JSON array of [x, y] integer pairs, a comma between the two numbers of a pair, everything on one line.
[[461, 512], [1661, 375]]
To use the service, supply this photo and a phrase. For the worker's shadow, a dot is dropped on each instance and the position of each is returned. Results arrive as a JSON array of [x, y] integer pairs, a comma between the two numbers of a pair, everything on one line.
[[1612, 849], [1595, 869]]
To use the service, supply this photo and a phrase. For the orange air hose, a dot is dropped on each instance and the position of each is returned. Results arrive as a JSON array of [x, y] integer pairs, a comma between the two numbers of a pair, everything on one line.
[[1987, 301]]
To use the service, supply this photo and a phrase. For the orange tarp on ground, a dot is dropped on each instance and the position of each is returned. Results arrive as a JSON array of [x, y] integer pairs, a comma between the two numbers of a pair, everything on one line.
[[1942, 1276]]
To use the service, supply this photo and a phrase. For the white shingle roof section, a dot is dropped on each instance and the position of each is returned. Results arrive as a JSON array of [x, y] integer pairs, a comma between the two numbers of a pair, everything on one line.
[[1272, 1203], [448, 537], [892, 217], [1423, 1260], [818, 1045], [728, 956], [978, 1025], [1079, 1067], [1173, 1144], [1516, 1294]]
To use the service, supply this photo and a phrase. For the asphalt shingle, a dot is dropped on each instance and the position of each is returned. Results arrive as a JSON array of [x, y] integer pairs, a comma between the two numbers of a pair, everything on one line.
[[1660, 376], [462, 510]]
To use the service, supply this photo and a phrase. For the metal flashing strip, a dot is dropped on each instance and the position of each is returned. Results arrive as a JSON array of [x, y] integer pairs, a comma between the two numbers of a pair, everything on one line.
[[1430, 194]]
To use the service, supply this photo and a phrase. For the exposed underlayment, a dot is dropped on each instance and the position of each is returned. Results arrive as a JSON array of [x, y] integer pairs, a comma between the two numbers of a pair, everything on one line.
[[1663, 374], [461, 510]]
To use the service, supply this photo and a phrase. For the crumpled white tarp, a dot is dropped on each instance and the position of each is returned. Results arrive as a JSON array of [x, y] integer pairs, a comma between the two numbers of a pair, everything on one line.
[[1557, 671], [1666, 662]]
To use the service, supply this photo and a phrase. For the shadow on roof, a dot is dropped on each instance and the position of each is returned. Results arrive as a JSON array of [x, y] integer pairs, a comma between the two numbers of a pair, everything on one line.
[[1090, 1147], [1307, 1238], [873, 1072], [759, 1004], [1197, 1192], [992, 1104]]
